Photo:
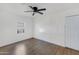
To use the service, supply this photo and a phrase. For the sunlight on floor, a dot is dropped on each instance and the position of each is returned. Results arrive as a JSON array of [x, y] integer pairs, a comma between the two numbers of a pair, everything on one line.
[[20, 49]]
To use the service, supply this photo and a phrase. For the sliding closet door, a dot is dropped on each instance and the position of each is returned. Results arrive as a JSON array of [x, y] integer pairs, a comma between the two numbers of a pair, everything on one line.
[[72, 32]]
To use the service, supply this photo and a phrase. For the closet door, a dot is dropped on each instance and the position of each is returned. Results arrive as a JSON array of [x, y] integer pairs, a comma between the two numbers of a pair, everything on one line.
[[72, 32]]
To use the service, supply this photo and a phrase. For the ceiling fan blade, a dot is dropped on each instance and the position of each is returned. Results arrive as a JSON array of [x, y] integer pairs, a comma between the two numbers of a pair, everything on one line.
[[40, 13], [31, 7], [28, 11], [42, 9]]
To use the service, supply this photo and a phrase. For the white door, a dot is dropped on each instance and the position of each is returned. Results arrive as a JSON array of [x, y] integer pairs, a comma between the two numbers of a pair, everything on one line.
[[72, 32]]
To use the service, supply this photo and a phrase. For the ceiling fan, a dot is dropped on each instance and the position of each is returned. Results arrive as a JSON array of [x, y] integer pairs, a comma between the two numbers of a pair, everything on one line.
[[36, 10]]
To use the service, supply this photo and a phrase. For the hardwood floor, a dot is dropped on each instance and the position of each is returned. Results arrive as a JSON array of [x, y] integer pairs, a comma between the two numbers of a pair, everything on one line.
[[36, 47]]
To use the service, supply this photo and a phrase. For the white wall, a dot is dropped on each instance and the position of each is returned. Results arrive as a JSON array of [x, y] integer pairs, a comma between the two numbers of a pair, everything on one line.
[[10, 14], [51, 26]]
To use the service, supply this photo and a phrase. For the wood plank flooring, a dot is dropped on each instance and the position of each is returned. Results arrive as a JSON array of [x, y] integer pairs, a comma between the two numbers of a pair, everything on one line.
[[36, 47]]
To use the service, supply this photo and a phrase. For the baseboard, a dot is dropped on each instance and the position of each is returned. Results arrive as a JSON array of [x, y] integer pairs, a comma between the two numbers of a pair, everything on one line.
[[16, 42], [58, 45], [71, 49], [51, 42]]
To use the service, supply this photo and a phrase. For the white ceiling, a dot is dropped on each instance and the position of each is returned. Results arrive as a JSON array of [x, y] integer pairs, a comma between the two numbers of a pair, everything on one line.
[[53, 8], [19, 8], [58, 7]]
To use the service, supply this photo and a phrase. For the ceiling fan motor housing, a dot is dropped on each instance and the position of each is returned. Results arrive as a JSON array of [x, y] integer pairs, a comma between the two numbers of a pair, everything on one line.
[[35, 9]]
